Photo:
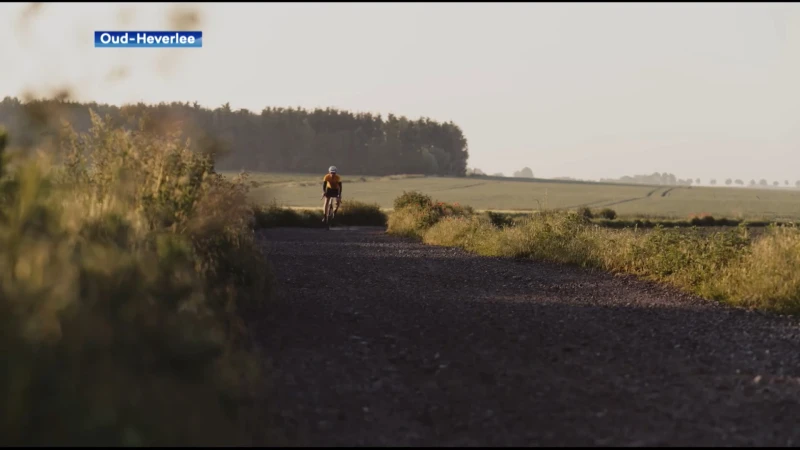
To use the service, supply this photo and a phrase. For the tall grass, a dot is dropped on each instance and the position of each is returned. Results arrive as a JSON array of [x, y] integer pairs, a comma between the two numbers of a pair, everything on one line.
[[769, 277], [351, 213], [419, 212], [127, 266], [723, 265]]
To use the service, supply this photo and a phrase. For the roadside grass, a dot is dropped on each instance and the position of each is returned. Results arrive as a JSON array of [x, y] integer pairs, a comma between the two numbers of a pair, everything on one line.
[[351, 213], [274, 215], [728, 265], [698, 220], [128, 266]]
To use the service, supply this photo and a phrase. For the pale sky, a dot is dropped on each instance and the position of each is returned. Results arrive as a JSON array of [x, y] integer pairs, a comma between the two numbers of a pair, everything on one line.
[[568, 89]]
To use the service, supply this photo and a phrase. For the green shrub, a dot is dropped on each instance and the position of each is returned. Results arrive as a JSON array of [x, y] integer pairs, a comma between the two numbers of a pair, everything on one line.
[[476, 234], [356, 213], [273, 215], [412, 198], [452, 209], [351, 213], [585, 212], [548, 235], [768, 277], [414, 213], [412, 220], [607, 213], [703, 220], [500, 220]]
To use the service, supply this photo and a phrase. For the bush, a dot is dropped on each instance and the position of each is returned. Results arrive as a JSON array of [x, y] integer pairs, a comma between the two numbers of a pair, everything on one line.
[[415, 212], [273, 215], [769, 277], [684, 257], [702, 220], [127, 270], [413, 220], [475, 234], [356, 213], [585, 212], [452, 210], [548, 235], [351, 213], [412, 198], [499, 220], [607, 213]]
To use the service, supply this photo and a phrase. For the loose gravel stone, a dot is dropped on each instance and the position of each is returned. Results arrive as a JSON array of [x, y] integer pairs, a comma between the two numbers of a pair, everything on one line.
[[377, 340]]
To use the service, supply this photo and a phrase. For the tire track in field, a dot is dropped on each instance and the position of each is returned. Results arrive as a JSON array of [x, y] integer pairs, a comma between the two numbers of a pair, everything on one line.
[[603, 203], [634, 199], [665, 193], [457, 187]]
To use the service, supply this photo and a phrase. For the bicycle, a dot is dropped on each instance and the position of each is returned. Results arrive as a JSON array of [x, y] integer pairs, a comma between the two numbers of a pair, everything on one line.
[[331, 212], [330, 217]]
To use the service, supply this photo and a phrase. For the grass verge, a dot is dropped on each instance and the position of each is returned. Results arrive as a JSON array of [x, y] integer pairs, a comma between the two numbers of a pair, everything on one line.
[[351, 213], [727, 265], [607, 218]]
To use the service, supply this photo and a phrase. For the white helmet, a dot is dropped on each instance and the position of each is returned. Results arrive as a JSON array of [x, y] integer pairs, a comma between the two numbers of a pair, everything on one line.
[[332, 169]]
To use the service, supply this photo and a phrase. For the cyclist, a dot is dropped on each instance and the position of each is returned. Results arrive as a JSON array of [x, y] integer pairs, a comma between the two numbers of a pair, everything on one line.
[[331, 188]]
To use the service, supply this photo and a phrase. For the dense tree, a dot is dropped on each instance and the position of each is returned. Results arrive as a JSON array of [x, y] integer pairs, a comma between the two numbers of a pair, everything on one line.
[[713, 182], [797, 183], [752, 182], [739, 182], [526, 172], [697, 181], [728, 182], [775, 183], [654, 178], [277, 139], [498, 174], [763, 182]]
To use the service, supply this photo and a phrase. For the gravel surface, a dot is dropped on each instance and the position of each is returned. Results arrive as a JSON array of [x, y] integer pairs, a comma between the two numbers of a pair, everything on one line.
[[382, 341]]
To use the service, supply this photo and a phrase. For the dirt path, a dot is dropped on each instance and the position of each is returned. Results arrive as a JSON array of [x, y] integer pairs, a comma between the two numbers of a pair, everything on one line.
[[382, 341]]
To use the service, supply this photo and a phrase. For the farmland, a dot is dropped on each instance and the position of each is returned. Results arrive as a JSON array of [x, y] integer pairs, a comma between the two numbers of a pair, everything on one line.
[[514, 194]]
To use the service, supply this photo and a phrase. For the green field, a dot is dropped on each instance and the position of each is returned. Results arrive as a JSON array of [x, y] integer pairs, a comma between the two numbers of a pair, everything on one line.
[[500, 194]]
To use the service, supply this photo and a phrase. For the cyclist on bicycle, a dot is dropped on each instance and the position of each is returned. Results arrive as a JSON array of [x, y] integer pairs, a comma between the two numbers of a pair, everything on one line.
[[331, 188]]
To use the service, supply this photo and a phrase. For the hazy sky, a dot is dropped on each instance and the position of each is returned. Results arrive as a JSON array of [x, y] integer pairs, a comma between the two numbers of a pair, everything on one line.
[[581, 90]]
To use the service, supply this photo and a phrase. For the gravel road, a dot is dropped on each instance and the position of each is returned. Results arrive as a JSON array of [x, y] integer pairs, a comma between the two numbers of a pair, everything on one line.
[[382, 341]]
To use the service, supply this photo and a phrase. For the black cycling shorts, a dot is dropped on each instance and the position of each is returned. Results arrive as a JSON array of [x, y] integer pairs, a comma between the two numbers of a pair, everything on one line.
[[331, 193]]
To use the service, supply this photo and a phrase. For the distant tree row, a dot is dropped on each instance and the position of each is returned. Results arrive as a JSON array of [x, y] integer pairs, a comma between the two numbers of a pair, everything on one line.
[[277, 139], [671, 180], [763, 182], [526, 172], [654, 178]]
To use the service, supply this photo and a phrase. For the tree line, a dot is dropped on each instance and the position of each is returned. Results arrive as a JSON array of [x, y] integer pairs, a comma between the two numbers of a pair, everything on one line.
[[274, 140], [669, 179], [526, 172], [655, 178]]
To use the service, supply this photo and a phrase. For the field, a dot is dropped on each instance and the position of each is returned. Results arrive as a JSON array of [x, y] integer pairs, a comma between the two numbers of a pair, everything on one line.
[[499, 194]]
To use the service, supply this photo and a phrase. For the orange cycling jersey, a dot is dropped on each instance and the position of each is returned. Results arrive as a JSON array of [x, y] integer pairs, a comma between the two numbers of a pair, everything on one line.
[[332, 181]]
